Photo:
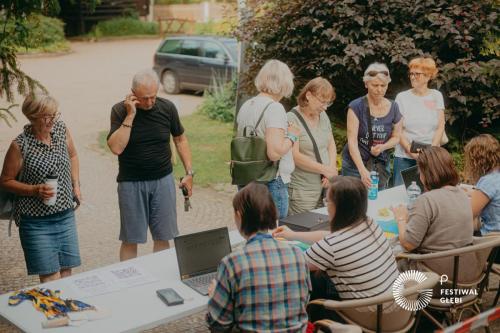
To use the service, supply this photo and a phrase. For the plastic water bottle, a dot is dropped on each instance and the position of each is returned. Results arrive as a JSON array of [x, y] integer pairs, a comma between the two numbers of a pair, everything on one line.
[[373, 190], [413, 192]]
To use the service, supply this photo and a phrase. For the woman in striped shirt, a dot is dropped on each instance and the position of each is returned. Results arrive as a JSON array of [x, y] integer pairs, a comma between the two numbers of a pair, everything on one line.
[[355, 255]]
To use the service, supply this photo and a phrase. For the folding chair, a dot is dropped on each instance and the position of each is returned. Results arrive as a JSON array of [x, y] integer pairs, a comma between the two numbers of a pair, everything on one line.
[[467, 267], [388, 317]]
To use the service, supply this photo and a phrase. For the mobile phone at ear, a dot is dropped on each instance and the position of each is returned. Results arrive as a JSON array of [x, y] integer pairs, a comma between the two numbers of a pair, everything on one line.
[[170, 296]]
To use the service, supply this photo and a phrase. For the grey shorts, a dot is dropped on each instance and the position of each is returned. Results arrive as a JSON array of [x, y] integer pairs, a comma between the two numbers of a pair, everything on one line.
[[147, 203]]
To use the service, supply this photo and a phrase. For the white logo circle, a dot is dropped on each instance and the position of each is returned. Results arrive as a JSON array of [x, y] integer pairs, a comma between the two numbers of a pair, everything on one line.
[[424, 295]]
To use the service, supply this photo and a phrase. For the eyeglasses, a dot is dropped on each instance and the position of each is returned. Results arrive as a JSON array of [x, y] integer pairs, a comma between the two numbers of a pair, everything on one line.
[[416, 74], [50, 118], [375, 73], [327, 104]]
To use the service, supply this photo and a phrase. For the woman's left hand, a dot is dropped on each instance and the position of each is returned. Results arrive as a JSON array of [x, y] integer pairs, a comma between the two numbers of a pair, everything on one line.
[[376, 150]]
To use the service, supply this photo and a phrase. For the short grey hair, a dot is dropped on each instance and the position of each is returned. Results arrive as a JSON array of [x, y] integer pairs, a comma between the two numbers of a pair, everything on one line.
[[145, 77], [275, 78], [377, 67]]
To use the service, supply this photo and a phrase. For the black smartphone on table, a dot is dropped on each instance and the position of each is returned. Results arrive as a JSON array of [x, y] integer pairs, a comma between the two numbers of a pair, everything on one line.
[[170, 296]]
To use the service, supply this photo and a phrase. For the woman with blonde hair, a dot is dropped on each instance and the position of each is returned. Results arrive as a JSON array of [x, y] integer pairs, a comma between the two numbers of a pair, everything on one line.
[[482, 167], [423, 115], [373, 128], [274, 81], [47, 229], [314, 154]]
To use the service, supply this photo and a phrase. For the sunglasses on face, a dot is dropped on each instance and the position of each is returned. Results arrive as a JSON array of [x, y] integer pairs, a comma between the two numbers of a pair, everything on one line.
[[375, 73]]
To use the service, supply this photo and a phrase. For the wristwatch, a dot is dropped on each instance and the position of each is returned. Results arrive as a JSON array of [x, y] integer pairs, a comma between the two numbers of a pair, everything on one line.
[[190, 173]]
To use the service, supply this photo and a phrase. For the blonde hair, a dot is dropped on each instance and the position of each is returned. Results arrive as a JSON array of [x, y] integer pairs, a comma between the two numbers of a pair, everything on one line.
[[377, 67], [275, 78], [39, 103], [319, 87], [426, 65], [481, 156]]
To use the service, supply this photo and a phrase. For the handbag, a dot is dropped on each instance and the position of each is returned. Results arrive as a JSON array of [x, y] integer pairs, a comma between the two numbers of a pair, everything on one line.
[[249, 161], [315, 146], [374, 163], [8, 199]]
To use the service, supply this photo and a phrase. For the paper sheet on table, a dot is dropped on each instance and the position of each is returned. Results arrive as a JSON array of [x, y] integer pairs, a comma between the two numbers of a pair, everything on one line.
[[110, 279], [386, 221]]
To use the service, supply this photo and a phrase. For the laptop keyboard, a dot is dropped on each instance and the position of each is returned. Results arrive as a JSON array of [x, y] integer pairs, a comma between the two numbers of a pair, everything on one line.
[[200, 283]]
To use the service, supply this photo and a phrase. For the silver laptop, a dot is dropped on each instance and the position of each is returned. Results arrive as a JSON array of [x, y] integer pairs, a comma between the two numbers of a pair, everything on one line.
[[199, 255], [411, 175]]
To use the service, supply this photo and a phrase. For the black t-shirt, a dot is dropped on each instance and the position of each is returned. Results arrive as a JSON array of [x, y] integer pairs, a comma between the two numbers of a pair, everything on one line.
[[147, 155]]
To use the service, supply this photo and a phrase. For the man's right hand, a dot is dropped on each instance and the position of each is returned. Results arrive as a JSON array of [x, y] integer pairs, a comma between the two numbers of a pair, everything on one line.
[[130, 105]]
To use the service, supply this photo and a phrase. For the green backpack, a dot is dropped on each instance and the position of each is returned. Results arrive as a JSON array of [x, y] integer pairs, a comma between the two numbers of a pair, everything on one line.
[[249, 161]]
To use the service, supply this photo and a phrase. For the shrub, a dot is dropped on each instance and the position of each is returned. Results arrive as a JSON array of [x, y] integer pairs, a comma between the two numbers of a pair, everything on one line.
[[338, 39], [124, 26], [45, 33], [219, 100]]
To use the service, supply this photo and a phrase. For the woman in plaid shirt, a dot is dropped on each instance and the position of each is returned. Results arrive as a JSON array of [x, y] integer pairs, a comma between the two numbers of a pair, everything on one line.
[[265, 285]]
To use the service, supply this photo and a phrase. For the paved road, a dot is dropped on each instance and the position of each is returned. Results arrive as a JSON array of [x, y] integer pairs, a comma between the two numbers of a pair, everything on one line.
[[87, 83]]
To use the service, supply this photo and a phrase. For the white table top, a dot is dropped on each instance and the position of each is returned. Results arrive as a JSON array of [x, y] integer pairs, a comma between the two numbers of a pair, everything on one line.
[[390, 197], [138, 308], [132, 310]]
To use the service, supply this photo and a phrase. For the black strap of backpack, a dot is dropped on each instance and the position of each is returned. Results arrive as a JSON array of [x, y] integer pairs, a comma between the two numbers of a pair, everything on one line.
[[315, 146], [258, 121]]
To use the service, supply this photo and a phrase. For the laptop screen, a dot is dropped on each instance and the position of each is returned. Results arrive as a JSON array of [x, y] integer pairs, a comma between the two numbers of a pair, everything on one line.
[[411, 174], [201, 252]]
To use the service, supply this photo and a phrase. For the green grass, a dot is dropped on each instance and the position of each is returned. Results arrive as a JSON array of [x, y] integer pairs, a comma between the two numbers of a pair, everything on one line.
[[209, 141], [56, 47]]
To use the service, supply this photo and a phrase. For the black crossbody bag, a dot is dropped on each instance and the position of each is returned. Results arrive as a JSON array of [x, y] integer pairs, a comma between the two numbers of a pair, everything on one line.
[[315, 146]]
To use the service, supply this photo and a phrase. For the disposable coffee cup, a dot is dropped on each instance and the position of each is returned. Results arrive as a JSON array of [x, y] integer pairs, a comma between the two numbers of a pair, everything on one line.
[[51, 180]]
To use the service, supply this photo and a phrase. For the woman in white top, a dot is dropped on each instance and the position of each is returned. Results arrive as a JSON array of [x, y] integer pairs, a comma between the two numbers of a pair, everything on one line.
[[423, 115], [274, 81]]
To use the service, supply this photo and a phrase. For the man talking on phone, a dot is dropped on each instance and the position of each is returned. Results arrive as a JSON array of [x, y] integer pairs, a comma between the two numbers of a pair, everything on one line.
[[141, 128]]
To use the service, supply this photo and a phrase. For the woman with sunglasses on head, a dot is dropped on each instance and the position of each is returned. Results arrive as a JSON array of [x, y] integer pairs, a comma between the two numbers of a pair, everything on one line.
[[423, 115], [45, 214], [367, 145], [310, 177]]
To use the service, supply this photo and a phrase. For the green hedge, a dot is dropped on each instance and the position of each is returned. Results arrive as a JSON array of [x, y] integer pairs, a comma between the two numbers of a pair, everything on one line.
[[43, 34], [124, 26]]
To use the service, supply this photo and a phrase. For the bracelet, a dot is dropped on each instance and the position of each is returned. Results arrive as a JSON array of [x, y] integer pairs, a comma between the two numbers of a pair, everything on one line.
[[292, 137], [126, 125]]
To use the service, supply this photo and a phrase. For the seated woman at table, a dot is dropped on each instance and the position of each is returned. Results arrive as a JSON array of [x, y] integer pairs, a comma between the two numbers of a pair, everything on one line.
[[482, 167], [355, 253], [440, 219], [265, 285]]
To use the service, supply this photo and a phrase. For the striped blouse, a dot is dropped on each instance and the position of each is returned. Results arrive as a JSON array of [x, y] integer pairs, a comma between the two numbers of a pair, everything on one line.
[[358, 260]]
